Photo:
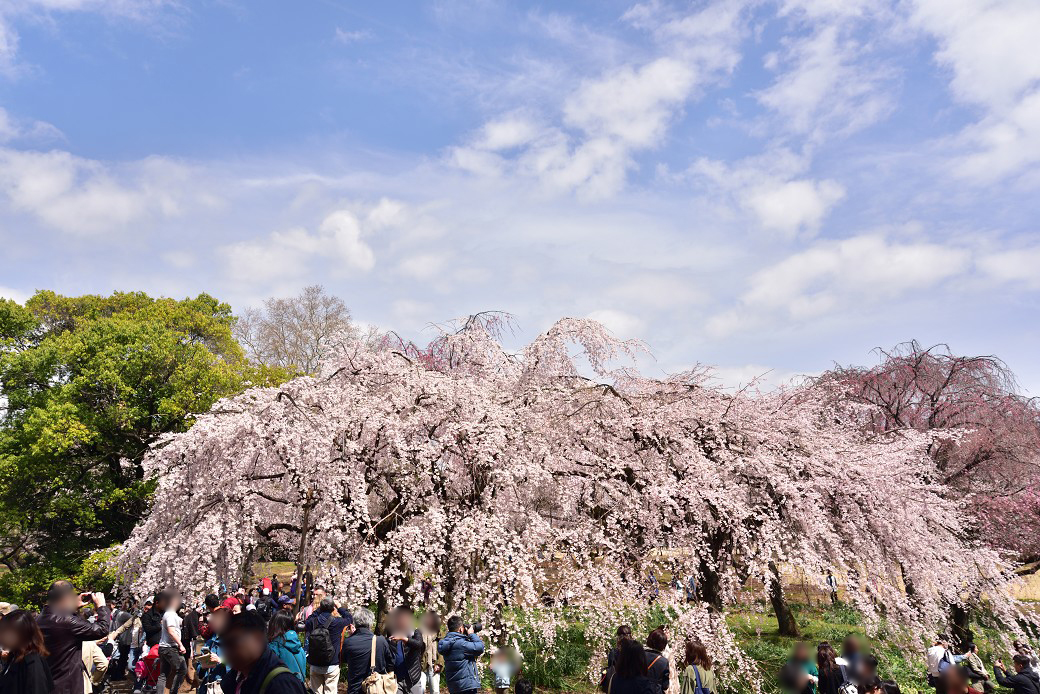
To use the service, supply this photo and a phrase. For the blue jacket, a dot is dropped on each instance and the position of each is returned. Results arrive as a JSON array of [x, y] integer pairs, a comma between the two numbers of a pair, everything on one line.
[[460, 653], [213, 674], [290, 650]]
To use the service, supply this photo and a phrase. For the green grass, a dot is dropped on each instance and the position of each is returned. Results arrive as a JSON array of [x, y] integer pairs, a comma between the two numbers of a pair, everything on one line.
[[756, 630], [758, 634]]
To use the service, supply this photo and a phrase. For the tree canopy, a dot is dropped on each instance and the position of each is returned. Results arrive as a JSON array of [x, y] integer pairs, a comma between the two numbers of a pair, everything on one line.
[[88, 384], [500, 474]]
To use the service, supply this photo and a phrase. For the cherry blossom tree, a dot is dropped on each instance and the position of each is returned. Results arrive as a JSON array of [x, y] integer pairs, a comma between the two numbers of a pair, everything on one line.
[[993, 461], [501, 474], [934, 389]]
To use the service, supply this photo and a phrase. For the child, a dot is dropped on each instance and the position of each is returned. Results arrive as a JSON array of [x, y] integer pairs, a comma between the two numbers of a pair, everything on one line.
[[502, 667]]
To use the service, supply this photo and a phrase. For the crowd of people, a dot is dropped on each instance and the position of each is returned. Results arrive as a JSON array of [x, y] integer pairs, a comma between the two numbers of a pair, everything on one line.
[[258, 642], [241, 642]]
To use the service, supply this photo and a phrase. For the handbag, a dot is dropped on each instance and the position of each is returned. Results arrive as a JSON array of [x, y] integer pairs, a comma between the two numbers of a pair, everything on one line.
[[378, 682]]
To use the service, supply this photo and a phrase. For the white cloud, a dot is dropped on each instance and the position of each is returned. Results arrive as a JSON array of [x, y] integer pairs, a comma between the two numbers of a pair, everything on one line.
[[424, 266], [603, 122], [990, 50], [15, 294], [12, 129], [773, 189], [1013, 266], [836, 276], [825, 87], [793, 206], [86, 197], [350, 36], [620, 323], [657, 290], [290, 254], [14, 10]]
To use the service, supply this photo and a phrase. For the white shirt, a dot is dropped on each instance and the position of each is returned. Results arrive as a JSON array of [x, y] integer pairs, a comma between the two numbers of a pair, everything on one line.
[[170, 621], [933, 658]]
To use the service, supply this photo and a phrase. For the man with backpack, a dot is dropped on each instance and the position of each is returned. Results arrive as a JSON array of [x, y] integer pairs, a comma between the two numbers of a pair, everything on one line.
[[326, 628]]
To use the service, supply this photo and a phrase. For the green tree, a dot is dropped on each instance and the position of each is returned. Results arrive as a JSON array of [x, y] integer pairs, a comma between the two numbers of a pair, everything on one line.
[[87, 384]]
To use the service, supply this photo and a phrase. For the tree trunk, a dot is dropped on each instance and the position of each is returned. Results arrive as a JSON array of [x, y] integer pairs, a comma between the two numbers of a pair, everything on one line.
[[960, 629], [784, 616], [305, 528]]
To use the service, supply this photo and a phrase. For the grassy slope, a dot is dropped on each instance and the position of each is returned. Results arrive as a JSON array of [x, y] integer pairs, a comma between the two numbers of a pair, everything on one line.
[[756, 630]]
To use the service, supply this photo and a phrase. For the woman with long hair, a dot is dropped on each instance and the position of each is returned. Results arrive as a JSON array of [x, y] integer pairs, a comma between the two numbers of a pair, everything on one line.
[[628, 674], [831, 675], [623, 632], [698, 668], [26, 670], [285, 642]]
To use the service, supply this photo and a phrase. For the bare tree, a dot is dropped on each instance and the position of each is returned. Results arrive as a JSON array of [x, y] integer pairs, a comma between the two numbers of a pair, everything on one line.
[[297, 333]]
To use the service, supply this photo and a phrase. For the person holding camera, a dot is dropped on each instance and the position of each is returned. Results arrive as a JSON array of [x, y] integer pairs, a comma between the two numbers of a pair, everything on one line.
[[461, 647], [64, 632]]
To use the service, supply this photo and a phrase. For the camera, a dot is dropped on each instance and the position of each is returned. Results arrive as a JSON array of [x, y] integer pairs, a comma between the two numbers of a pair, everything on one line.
[[477, 627]]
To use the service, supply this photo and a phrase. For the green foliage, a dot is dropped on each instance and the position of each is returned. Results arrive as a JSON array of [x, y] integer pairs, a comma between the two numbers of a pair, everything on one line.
[[758, 635], [90, 384], [561, 668]]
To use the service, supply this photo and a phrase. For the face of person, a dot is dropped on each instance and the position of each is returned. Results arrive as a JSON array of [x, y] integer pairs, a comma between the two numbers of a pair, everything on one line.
[[403, 623], [174, 603], [218, 620], [243, 648], [319, 595], [8, 639]]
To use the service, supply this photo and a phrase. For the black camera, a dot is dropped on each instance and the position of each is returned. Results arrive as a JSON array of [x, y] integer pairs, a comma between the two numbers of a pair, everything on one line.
[[477, 627]]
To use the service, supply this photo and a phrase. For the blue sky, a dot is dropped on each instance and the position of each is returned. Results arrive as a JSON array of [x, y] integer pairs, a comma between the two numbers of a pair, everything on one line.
[[763, 186]]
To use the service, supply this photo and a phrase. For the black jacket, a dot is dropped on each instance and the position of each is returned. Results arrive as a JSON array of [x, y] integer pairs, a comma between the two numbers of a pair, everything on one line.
[[830, 682], [657, 670], [151, 624], [64, 634], [30, 676], [357, 654], [284, 683], [630, 685], [1025, 682], [410, 672]]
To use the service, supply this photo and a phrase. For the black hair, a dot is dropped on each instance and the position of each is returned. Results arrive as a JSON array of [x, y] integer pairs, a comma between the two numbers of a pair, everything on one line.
[[59, 590], [657, 640], [890, 687], [1022, 660], [212, 601], [281, 624], [630, 660], [825, 658], [454, 623], [246, 620], [524, 686]]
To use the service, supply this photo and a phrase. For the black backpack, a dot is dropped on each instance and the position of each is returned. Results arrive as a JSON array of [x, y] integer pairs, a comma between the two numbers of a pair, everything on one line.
[[320, 650]]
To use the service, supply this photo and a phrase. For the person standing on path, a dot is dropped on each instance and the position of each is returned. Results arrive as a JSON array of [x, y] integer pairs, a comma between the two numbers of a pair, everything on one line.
[[64, 633]]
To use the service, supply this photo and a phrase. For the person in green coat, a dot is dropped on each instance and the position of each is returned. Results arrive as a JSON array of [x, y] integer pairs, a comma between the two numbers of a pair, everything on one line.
[[698, 667], [285, 643], [801, 661]]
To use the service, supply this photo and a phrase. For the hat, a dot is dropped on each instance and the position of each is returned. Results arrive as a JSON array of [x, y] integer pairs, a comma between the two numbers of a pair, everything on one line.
[[7, 608], [285, 600]]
